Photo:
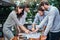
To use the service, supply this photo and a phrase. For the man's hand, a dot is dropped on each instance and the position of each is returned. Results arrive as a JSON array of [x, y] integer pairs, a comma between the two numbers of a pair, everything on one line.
[[43, 37]]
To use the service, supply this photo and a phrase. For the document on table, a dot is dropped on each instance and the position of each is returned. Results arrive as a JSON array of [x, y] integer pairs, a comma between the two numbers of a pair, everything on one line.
[[31, 35]]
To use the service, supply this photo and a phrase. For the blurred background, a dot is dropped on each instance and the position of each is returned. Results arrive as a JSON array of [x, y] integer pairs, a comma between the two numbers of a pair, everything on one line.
[[6, 6]]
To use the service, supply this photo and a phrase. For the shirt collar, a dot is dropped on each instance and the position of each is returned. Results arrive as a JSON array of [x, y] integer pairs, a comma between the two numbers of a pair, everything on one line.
[[49, 8]]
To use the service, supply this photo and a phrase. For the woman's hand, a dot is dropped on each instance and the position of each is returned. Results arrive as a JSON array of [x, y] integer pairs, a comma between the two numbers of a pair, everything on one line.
[[27, 31]]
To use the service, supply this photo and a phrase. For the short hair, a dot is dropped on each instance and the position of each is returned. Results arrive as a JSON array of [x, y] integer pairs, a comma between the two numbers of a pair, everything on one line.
[[26, 6], [40, 9], [43, 2]]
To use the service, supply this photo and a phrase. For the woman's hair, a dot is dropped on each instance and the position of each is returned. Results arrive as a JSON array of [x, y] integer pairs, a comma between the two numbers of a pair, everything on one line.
[[20, 7], [40, 9]]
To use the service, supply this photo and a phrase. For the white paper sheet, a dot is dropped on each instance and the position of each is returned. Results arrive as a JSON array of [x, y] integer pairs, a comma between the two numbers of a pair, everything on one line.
[[31, 35]]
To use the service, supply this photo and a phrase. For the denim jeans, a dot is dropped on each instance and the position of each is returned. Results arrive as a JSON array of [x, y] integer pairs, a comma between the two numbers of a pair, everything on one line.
[[54, 36], [7, 33]]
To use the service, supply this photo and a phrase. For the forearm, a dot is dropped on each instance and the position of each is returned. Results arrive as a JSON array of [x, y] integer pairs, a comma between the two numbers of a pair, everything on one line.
[[18, 29], [23, 28]]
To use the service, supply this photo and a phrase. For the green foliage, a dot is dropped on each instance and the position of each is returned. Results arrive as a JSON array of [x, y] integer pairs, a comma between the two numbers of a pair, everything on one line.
[[55, 3]]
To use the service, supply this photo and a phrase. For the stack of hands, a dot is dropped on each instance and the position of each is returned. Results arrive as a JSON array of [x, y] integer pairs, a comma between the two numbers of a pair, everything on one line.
[[42, 37]]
